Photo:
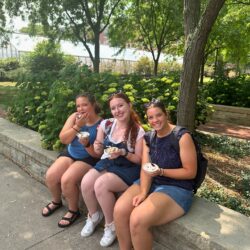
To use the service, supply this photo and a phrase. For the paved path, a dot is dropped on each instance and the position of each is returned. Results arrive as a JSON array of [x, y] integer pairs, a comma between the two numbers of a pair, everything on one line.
[[21, 224], [231, 130]]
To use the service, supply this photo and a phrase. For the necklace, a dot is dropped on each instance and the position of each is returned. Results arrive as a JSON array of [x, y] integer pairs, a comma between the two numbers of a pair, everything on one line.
[[163, 134]]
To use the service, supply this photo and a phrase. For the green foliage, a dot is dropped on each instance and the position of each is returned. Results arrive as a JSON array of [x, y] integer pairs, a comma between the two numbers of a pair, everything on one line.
[[217, 195], [157, 25], [229, 39], [233, 147], [46, 57], [29, 97], [236, 149], [77, 21], [65, 88], [144, 66], [44, 106], [171, 68], [244, 184], [60, 103], [33, 29], [7, 94], [230, 91], [7, 67], [9, 64], [34, 85]]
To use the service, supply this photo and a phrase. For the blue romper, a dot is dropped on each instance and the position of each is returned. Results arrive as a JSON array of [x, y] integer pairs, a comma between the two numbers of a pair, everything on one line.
[[121, 166]]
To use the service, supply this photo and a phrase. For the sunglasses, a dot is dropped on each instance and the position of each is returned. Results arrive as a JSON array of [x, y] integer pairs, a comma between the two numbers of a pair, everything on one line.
[[119, 92], [153, 102]]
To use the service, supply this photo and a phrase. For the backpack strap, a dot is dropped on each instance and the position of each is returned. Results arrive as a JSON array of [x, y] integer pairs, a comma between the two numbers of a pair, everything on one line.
[[108, 125], [149, 137], [176, 136]]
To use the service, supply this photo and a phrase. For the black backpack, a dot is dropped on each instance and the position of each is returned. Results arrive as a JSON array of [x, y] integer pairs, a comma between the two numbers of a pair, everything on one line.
[[201, 160]]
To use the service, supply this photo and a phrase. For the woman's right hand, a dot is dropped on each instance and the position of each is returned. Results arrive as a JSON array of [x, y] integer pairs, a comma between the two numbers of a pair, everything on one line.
[[138, 199], [84, 141], [98, 147], [80, 119]]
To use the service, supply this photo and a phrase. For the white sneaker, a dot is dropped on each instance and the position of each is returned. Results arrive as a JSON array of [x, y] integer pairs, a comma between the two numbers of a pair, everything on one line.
[[109, 235], [90, 225]]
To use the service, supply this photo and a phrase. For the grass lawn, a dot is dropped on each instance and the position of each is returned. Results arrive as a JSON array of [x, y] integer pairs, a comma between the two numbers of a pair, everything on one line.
[[7, 92]]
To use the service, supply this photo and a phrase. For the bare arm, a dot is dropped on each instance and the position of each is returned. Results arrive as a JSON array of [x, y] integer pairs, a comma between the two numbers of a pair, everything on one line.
[[71, 127], [69, 130], [98, 144], [145, 179], [89, 147], [136, 157]]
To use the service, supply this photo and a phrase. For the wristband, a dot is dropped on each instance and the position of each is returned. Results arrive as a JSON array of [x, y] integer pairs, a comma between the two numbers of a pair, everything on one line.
[[126, 152], [76, 130], [162, 171]]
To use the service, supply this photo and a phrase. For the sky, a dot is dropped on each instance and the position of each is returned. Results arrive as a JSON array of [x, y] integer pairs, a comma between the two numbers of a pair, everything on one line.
[[18, 23]]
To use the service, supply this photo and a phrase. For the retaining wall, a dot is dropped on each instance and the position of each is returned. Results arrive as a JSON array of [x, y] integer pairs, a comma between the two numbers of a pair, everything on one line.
[[206, 226], [231, 115]]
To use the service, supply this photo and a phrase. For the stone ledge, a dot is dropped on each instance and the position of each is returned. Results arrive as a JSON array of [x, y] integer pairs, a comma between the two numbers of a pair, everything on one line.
[[23, 147], [231, 115], [207, 225]]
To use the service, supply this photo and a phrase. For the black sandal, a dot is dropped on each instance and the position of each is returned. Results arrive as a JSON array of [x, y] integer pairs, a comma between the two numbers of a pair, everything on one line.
[[52, 210], [71, 220]]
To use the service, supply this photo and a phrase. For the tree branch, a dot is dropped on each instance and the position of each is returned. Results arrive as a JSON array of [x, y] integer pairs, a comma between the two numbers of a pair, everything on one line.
[[77, 33], [109, 16]]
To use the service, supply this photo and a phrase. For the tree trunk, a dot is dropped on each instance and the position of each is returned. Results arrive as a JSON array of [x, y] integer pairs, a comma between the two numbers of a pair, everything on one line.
[[195, 45], [216, 62], [191, 14], [96, 61], [202, 70], [156, 63]]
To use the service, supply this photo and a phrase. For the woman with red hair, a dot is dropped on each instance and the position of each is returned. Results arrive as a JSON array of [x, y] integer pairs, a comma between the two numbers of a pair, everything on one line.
[[119, 141]]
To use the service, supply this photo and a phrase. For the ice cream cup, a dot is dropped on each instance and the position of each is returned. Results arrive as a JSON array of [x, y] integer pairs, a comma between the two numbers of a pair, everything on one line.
[[83, 135], [111, 150], [150, 167]]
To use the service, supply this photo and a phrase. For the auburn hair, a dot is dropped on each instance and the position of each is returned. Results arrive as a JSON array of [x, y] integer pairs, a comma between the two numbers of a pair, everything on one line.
[[134, 120]]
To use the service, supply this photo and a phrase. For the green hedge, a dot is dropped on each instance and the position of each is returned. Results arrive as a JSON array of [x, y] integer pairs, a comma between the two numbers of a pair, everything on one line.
[[232, 91], [45, 105], [8, 67]]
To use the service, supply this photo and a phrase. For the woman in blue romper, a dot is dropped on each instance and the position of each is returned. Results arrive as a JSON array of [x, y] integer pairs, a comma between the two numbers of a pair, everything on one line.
[[116, 171], [65, 174], [162, 195]]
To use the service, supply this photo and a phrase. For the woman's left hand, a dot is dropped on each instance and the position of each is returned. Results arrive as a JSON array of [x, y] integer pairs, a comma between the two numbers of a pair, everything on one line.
[[153, 174], [84, 141], [138, 199], [116, 154]]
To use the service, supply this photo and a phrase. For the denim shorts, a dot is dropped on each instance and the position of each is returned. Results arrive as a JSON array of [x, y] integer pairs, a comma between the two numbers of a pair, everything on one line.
[[183, 197]]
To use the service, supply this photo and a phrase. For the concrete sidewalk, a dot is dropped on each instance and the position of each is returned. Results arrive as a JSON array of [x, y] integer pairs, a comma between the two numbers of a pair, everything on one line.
[[21, 223]]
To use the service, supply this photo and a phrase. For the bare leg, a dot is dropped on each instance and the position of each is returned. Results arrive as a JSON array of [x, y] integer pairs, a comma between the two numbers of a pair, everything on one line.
[[70, 182], [123, 209], [105, 188], [157, 209], [53, 179], [88, 192]]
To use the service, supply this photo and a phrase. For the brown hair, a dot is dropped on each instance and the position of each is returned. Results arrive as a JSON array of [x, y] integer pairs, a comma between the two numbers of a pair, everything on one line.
[[134, 120], [155, 103], [92, 100]]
